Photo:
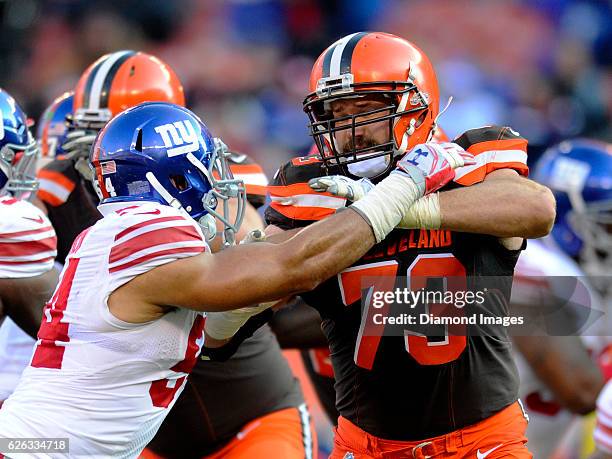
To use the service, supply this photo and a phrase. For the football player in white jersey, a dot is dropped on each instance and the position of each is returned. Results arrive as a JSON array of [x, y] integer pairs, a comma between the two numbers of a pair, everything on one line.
[[603, 431], [559, 374], [124, 326], [27, 244]]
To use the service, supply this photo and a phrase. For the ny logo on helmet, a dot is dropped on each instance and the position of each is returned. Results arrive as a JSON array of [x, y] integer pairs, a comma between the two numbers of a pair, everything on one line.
[[180, 135]]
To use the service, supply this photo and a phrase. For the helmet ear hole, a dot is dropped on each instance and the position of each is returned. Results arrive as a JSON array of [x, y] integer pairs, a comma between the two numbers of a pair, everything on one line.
[[179, 182]]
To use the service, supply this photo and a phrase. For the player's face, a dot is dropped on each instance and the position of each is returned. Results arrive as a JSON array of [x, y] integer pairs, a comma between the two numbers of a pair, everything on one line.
[[368, 135]]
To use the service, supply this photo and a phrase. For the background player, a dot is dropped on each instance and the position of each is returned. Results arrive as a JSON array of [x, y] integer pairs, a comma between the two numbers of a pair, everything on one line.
[[563, 376], [27, 246], [603, 431]]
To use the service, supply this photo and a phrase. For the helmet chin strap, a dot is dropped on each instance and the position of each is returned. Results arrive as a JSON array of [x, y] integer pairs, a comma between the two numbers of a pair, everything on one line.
[[172, 201], [435, 123], [206, 222]]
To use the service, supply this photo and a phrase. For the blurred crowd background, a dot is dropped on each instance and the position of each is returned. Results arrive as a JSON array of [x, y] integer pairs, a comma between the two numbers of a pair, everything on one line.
[[541, 66]]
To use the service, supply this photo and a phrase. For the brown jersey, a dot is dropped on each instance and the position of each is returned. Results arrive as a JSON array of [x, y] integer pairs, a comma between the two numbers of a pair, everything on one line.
[[412, 387]]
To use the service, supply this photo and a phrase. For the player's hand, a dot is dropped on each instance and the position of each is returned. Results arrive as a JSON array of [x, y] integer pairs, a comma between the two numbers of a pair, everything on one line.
[[432, 165], [255, 235], [341, 186], [227, 350]]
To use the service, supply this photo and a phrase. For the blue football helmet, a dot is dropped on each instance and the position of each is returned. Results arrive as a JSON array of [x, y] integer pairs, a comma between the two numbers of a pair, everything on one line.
[[579, 172], [52, 127], [18, 150], [164, 153]]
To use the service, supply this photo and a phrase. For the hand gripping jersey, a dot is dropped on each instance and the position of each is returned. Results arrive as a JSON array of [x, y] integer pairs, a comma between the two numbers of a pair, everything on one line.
[[603, 431], [411, 387], [103, 383], [538, 264], [27, 249]]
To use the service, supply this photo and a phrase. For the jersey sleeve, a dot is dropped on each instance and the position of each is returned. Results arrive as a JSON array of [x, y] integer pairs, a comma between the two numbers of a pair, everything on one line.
[[28, 242], [603, 431], [150, 236], [494, 148], [293, 203], [56, 180], [243, 167]]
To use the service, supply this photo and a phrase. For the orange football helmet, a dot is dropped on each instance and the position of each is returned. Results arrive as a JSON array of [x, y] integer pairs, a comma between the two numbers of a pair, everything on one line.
[[120, 80], [372, 63]]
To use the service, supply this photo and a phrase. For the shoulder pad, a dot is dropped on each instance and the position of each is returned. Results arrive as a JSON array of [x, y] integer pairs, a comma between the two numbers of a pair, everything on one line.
[[57, 180], [494, 148], [27, 240], [491, 138], [294, 204]]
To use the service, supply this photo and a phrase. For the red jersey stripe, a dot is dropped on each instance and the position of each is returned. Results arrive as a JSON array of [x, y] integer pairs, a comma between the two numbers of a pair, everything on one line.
[[25, 233], [151, 239], [147, 223], [19, 249], [160, 254], [27, 262], [604, 428]]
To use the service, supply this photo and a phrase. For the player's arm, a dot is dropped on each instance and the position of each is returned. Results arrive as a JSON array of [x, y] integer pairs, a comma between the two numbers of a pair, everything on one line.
[[255, 273], [495, 198], [252, 221], [564, 366], [23, 299], [504, 204]]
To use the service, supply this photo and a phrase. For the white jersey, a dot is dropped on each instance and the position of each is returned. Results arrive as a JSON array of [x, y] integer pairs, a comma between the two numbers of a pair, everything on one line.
[[15, 352], [103, 383], [27, 249], [603, 431], [547, 419]]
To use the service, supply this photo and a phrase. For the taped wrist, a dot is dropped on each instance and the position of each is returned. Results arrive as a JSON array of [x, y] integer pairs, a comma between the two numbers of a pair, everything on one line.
[[224, 325], [384, 206], [424, 213]]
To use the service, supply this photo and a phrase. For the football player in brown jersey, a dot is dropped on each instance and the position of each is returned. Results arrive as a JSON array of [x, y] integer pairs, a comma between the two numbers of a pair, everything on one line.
[[373, 97]]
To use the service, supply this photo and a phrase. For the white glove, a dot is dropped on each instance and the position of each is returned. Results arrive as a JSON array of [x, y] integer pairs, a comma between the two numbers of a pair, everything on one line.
[[342, 186], [423, 170], [432, 165], [224, 325]]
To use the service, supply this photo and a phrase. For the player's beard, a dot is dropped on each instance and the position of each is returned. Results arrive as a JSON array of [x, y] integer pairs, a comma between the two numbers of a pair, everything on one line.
[[367, 167]]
